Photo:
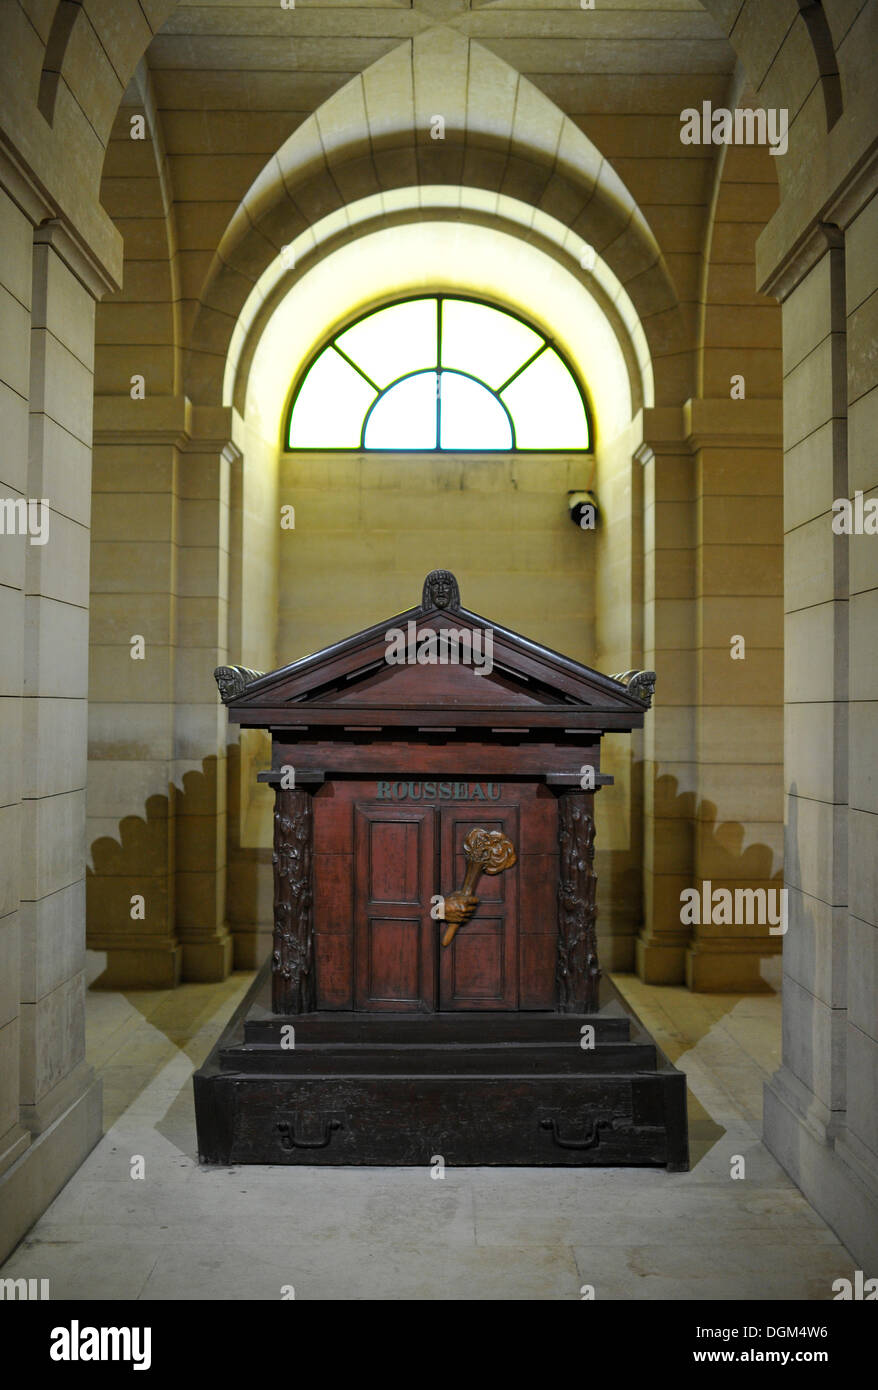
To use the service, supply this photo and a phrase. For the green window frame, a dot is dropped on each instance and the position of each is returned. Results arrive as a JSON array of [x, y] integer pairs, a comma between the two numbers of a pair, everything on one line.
[[438, 373]]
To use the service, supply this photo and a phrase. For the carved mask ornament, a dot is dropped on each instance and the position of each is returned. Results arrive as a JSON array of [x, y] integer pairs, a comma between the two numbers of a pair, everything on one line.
[[440, 591]]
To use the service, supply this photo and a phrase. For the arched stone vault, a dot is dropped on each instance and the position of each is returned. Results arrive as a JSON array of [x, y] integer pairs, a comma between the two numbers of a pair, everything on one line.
[[514, 143], [136, 190], [793, 58], [434, 255], [424, 204], [518, 142], [756, 31]]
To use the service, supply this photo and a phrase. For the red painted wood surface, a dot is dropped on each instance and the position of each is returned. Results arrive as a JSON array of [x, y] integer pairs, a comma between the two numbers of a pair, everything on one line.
[[378, 864]]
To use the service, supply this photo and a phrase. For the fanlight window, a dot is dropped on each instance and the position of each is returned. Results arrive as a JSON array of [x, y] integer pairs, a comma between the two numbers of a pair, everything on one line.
[[439, 373]]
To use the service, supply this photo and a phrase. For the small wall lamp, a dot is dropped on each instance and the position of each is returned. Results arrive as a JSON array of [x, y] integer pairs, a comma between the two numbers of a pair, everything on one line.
[[583, 510]]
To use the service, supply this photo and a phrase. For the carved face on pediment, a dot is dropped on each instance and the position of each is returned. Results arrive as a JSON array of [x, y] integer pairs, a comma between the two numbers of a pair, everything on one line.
[[233, 680], [440, 590]]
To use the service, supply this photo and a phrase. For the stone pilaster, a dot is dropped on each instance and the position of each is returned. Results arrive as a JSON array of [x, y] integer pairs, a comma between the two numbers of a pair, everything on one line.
[[51, 1102], [200, 719], [157, 778], [669, 733], [15, 296], [820, 1117], [132, 798], [736, 445]]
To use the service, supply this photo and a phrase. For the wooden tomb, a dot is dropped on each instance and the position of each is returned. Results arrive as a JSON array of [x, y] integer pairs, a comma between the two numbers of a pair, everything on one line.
[[434, 984]]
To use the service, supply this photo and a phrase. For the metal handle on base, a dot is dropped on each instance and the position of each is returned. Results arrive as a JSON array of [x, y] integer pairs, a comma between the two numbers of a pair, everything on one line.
[[290, 1140], [591, 1140]]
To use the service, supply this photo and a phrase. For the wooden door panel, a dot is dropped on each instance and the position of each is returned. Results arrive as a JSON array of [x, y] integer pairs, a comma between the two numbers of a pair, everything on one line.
[[404, 853], [479, 970], [393, 968], [393, 861], [478, 964], [394, 868]]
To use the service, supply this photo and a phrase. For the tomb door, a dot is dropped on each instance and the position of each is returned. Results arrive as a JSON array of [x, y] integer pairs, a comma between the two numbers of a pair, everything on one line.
[[395, 936], [405, 859]]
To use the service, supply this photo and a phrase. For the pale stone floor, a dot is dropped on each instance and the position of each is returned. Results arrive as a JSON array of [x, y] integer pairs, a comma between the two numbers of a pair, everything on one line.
[[396, 1233]]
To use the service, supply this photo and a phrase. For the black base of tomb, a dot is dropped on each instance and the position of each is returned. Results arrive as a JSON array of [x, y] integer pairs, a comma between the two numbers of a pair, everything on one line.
[[508, 1089]]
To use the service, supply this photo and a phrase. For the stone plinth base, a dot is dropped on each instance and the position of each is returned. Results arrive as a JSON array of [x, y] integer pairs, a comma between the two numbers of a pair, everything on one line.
[[797, 1130], [660, 964], [252, 946], [139, 967], [36, 1178], [729, 968], [209, 961]]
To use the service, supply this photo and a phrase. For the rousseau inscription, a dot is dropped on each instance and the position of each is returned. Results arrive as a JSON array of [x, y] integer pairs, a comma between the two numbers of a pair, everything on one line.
[[438, 791]]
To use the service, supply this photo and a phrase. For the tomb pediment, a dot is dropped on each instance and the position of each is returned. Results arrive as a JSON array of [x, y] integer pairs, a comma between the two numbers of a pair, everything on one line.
[[429, 663]]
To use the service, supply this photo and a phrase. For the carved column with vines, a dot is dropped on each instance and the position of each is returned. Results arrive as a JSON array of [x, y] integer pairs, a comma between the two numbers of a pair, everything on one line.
[[293, 985], [577, 972]]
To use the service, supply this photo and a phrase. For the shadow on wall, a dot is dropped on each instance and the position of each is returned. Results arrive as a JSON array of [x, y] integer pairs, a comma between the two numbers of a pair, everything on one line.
[[712, 849], [171, 880], [719, 844], [696, 847]]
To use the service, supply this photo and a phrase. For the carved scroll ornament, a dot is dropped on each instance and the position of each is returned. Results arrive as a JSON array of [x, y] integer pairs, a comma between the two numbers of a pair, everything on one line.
[[292, 962], [638, 683], [578, 971]]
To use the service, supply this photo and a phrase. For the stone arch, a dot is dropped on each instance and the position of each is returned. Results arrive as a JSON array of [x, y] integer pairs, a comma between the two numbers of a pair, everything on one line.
[[65, 18], [756, 32], [733, 314], [604, 288], [788, 49], [767, 37], [83, 55], [136, 189], [820, 34], [361, 143], [427, 255]]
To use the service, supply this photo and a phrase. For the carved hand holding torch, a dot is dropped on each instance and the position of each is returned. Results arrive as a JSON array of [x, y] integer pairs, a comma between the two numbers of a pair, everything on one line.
[[487, 851]]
